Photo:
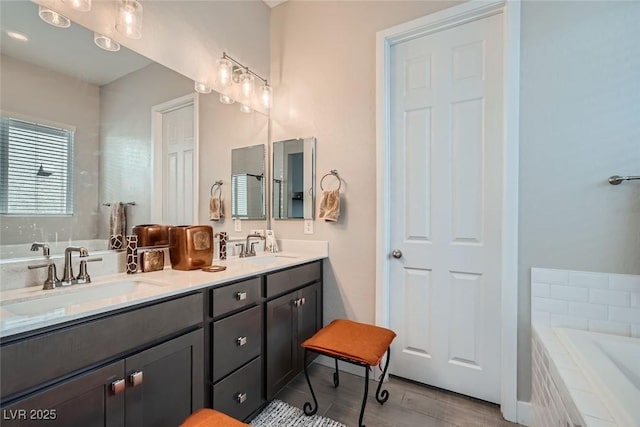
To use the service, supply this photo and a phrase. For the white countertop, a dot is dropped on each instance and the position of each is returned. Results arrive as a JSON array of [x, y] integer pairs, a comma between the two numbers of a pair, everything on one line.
[[28, 309]]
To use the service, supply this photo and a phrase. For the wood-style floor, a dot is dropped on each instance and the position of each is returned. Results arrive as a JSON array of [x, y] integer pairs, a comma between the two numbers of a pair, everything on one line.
[[409, 404]]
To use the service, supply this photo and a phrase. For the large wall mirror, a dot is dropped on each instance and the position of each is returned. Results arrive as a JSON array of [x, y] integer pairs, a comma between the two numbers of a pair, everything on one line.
[[248, 183], [80, 125], [294, 174]]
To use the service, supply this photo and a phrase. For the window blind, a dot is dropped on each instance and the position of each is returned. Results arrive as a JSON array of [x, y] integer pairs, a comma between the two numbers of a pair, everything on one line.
[[35, 168], [239, 200]]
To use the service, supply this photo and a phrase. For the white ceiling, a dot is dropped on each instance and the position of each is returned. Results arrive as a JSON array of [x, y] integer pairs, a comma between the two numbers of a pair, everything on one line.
[[274, 3], [69, 51]]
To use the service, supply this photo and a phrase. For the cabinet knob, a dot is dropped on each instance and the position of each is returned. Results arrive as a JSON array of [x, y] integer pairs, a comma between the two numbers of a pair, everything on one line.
[[296, 302], [241, 296], [117, 386], [135, 378], [241, 341], [241, 397], [303, 301]]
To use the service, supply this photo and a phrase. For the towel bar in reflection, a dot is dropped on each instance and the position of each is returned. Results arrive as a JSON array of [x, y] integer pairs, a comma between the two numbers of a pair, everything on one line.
[[617, 179], [126, 204]]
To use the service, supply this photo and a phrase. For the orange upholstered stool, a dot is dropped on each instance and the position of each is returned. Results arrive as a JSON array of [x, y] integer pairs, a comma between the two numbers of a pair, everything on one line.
[[210, 418], [356, 343]]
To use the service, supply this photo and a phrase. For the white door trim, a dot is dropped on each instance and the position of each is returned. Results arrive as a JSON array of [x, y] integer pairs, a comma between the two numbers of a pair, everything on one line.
[[157, 166], [438, 21]]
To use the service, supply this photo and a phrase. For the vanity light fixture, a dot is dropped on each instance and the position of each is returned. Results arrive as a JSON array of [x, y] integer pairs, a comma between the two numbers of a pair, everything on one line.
[[17, 36], [53, 18], [202, 88], [129, 18], [226, 99], [231, 71], [106, 43], [80, 5]]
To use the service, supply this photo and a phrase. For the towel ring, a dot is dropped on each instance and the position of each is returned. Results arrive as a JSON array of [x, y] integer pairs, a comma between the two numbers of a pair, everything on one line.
[[334, 173], [216, 187]]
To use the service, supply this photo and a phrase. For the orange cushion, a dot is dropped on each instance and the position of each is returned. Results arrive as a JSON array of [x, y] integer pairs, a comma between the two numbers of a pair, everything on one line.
[[356, 341], [209, 418]]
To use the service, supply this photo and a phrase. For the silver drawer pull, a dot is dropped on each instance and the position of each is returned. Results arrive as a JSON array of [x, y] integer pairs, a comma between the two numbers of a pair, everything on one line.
[[241, 397], [241, 296], [303, 301], [135, 378], [241, 341], [117, 386], [296, 302]]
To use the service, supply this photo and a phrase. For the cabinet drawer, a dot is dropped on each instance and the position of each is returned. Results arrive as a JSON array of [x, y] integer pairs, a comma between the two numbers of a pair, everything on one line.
[[285, 280], [235, 296], [237, 339], [228, 393], [41, 359]]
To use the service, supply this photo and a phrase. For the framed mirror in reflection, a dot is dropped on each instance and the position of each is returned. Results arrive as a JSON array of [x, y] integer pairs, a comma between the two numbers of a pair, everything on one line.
[[77, 134], [294, 174], [248, 183]]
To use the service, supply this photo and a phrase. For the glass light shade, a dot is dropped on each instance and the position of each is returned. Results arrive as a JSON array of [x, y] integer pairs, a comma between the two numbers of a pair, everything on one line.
[[81, 5], [265, 93], [106, 43], [226, 99], [53, 18], [129, 19], [245, 108], [247, 85], [202, 88], [225, 72]]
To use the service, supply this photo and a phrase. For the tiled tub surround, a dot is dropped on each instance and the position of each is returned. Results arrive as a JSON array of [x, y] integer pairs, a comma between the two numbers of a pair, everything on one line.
[[598, 302], [583, 378], [169, 283]]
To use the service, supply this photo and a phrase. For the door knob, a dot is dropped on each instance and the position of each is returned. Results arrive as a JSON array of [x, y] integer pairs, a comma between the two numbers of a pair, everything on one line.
[[397, 253]]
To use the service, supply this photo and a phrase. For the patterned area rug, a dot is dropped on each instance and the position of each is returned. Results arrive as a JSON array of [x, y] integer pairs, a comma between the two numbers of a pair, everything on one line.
[[280, 414]]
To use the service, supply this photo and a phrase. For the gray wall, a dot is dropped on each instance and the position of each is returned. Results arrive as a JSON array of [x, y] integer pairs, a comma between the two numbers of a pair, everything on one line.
[[579, 124], [42, 94]]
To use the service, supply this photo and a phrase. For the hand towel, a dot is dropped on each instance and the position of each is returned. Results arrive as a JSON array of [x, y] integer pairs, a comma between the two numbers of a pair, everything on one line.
[[330, 205], [216, 211], [117, 225]]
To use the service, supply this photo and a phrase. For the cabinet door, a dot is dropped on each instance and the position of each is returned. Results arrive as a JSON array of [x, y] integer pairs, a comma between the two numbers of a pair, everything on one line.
[[85, 400], [309, 314], [165, 383], [282, 353]]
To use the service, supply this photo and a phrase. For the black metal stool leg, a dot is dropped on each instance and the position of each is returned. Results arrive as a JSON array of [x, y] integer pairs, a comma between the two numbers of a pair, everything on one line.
[[366, 393], [308, 409], [384, 396], [336, 376]]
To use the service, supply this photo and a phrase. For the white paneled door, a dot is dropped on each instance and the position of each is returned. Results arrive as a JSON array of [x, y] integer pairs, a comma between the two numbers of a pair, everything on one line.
[[178, 133], [446, 201]]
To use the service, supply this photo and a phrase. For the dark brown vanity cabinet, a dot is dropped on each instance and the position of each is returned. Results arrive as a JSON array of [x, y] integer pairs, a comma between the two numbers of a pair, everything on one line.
[[290, 319], [139, 383]]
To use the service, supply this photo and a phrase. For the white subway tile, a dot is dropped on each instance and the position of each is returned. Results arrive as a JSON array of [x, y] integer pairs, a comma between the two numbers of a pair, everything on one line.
[[625, 282], [549, 305], [590, 404], [590, 311], [561, 321], [607, 297], [619, 314], [539, 289], [606, 327], [569, 293], [540, 318], [635, 299], [547, 275], [588, 280], [635, 330], [576, 379]]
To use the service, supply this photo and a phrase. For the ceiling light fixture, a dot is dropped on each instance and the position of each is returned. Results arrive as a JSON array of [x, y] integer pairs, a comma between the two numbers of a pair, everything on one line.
[[231, 71], [106, 43], [17, 36], [53, 18], [80, 5], [129, 19], [202, 88]]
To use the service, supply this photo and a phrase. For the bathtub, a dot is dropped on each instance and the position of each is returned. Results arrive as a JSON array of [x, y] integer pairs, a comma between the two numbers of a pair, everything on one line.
[[612, 364], [8, 253]]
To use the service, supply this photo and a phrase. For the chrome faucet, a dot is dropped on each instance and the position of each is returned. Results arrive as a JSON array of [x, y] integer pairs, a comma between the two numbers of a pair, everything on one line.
[[249, 249], [67, 274], [37, 245]]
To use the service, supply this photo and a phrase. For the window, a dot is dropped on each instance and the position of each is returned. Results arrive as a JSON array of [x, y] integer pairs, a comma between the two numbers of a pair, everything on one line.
[[35, 168], [239, 203]]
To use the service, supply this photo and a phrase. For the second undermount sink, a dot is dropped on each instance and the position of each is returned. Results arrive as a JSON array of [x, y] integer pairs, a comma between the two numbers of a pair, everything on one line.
[[81, 297], [267, 259]]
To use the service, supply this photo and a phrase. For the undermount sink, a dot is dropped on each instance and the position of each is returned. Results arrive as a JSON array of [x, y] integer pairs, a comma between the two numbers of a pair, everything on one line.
[[266, 259], [75, 297]]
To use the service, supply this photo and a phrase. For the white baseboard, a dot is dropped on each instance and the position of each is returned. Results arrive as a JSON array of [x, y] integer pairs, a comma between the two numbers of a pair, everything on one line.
[[524, 413]]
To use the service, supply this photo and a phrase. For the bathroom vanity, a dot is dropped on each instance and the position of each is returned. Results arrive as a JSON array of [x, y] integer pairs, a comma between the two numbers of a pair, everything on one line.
[[228, 341]]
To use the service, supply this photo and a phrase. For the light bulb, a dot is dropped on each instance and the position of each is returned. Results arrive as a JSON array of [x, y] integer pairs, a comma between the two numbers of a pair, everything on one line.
[[245, 108], [225, 72], [247, 85], [226, 99], [81, 5], [202, 88], [129, 18], [53, 18], [266, 95], [104, 42]]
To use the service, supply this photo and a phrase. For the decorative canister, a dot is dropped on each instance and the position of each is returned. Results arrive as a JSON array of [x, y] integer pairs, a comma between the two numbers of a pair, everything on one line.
[[190, 246], [223, 245], [132, 254]]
